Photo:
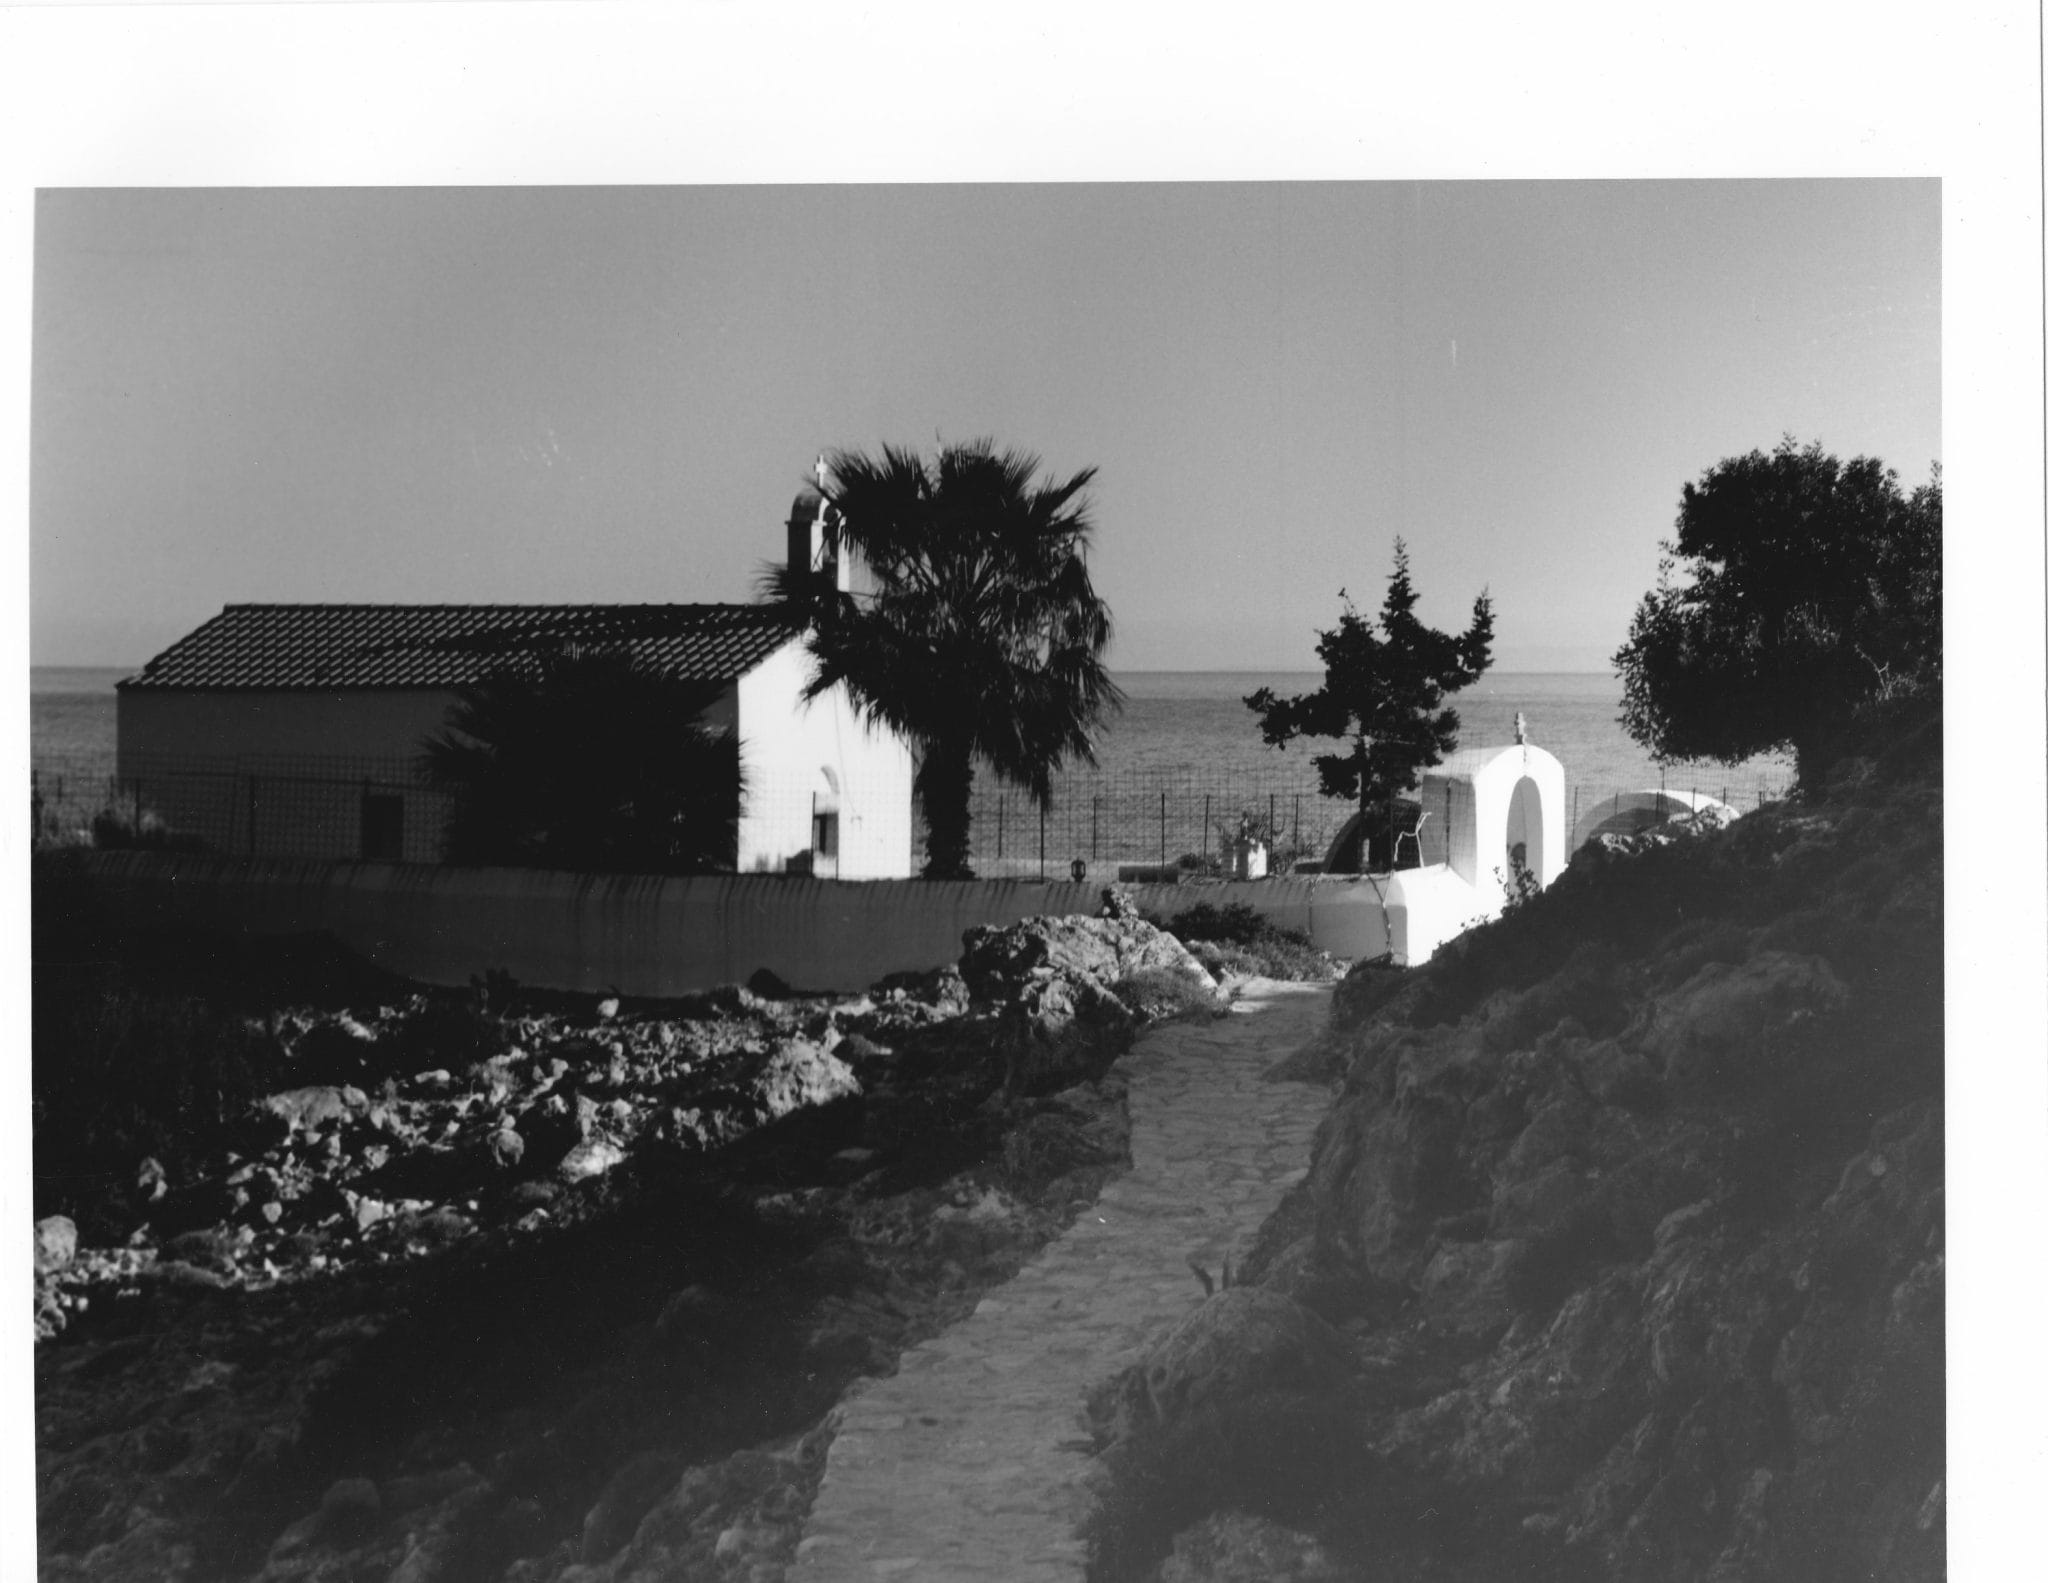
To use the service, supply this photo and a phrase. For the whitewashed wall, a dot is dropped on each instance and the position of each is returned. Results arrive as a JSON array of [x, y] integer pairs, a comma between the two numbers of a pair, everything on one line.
[[787, 746], [654, 936], [1495, 798]]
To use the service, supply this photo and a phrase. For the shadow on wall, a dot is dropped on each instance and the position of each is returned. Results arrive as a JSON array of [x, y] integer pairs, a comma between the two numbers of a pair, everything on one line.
[[654, 936]]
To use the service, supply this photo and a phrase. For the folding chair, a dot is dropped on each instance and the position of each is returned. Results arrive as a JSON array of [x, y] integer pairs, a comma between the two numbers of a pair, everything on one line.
[[1414, 834]]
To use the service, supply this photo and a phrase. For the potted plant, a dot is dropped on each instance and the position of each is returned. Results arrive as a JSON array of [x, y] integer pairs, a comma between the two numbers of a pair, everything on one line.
[[1246, 842]]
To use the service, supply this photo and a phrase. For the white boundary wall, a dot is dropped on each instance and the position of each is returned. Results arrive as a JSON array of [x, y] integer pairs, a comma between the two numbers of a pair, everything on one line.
[[658, 936]]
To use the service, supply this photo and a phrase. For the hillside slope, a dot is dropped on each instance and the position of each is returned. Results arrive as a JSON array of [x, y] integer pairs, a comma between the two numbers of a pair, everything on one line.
[[1621, 1253]]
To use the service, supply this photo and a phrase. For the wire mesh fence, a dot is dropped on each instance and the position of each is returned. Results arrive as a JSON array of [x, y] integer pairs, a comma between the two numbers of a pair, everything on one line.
[[1193, 824], [1183, 824], [271, 806], [1147, 819], [1149, 822]]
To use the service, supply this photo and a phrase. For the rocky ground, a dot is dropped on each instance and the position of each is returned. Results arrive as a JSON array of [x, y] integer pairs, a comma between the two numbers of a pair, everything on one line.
[[488, 1286], [1621, 1254]]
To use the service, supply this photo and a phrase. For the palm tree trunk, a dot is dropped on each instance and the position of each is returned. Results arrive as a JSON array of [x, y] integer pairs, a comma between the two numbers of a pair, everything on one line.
[[944, 783]]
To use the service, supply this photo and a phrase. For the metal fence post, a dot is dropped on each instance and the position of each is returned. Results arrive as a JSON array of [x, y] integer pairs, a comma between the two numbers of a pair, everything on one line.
[[1002, 807], [1205, 832], [1041, 843], [1095, 828], [1162, 829]]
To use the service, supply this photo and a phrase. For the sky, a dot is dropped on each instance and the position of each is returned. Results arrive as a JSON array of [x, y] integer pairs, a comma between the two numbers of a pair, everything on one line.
[[612, 393]]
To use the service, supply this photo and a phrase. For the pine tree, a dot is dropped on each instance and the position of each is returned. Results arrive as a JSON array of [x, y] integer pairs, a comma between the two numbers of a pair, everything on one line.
[[1383, 692]]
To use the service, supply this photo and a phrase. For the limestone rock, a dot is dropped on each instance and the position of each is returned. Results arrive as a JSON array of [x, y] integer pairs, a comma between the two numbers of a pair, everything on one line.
[[349, 1509], [1637, 1237], [995, 960], [630, 1494], [1231, 1547], [1053, 978], [1240, 1342], [56, 1243], [801, 1073], [942, 989], [1729, 1020], [592, 1157], [311, 1109]]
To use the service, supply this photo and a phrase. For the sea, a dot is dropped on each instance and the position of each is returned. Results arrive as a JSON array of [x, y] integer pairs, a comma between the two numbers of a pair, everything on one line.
[[71, 714], [1197, 723], [1177, 728]]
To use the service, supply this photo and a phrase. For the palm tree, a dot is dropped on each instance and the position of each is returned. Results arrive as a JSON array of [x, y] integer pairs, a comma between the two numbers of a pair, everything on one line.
[[982, 638], [588, 761]]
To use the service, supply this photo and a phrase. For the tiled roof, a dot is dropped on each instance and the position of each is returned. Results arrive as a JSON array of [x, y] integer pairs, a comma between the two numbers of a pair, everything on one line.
[[327, 646]]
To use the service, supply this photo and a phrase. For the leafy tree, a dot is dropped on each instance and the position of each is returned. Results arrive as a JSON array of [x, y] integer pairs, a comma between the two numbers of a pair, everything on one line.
[[1798, 588], [1383, 690], [981, 641], [593, 762]]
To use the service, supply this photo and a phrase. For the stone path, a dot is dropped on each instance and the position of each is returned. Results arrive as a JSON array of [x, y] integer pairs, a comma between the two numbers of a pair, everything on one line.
[[971, 1461]]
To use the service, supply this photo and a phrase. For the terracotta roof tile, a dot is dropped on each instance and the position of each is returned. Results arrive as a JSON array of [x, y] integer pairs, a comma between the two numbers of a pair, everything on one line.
[[440, 646]]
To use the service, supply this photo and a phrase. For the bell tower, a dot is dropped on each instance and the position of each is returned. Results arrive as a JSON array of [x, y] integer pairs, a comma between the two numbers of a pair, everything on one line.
[[814, 535]]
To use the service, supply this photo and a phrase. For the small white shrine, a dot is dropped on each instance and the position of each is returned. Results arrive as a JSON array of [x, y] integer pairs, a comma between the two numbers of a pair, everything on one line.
[[1500, 811]]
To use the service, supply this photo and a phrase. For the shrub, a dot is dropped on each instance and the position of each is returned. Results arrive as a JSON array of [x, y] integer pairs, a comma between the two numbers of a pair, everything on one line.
[[1236, 923], [1236, 939], [1159, 994], [1520, 882], [119, 829]]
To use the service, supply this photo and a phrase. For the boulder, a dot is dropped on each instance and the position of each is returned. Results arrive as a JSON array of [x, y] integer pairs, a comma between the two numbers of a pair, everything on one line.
[[995, 961], [592, 1157], [942, 989], [1055, 980], [314, 1108], [56, 1243], [802, 1072], [1057, 1030]]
